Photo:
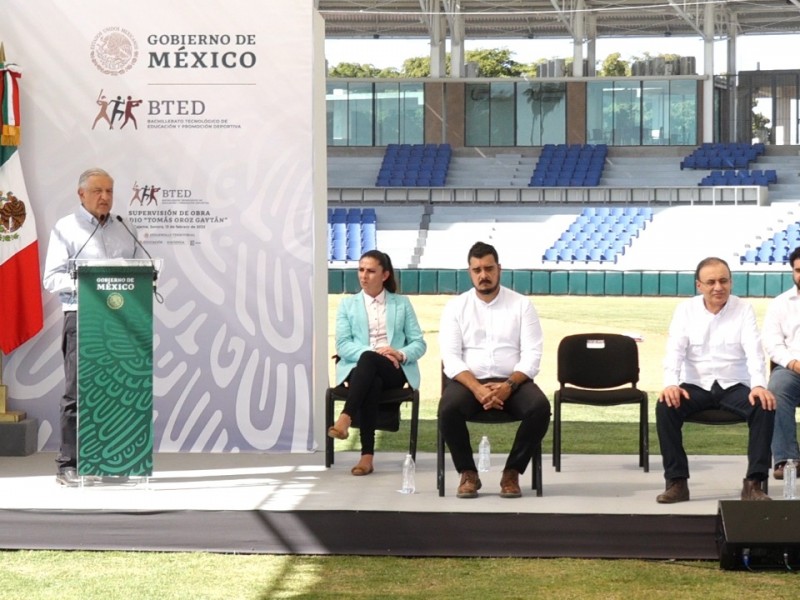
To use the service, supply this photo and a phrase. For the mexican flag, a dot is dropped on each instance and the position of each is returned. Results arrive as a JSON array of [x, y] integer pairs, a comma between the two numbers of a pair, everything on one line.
[[20, 287]]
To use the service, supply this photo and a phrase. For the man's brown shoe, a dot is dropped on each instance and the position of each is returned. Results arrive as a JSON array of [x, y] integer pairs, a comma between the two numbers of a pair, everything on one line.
[[677, 491], [751, 490], [509, 484], [469, 486], [777, 471]]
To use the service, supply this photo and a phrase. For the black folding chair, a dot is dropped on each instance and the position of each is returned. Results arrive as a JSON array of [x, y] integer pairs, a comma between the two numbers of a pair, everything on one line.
[[592, 370]]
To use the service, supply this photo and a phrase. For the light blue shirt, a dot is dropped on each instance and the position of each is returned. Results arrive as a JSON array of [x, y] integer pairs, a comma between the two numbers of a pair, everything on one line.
[[69, 234], [403, 333]]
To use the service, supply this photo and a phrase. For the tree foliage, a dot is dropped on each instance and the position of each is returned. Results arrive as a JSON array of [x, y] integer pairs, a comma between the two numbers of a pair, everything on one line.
[[353, 70], [495, 62], [419, 66], [614, 66], [492, 62], [760, 124]]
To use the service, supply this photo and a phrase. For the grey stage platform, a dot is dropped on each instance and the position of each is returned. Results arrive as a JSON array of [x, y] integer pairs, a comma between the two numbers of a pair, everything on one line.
[[279, 503]]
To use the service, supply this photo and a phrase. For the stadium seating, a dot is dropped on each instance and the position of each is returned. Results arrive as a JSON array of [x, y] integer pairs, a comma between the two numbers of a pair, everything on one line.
[[599, 234], [575, 165], [351, 232], [775, 249], [723, 156], [740, 177], [414, 165]]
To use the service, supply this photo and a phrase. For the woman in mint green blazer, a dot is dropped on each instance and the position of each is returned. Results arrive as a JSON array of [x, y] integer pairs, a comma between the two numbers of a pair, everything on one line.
[[378, 341]]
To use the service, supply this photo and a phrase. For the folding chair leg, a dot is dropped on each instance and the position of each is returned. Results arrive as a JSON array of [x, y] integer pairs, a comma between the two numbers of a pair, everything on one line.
[[644, 439], [328, 423], [412, 444], [439, 460], [536, 475], [557, 435]]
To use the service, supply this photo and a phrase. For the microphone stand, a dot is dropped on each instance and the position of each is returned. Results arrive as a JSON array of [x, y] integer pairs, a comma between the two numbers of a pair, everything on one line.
[[74, 270], [159, 298]]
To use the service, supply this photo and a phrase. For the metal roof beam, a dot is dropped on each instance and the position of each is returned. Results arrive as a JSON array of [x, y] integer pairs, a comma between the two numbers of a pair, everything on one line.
[[687, 17], [565, 16]]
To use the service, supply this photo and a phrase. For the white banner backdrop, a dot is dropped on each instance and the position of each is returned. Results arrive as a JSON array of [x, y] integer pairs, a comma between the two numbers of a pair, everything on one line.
[[202, 112]]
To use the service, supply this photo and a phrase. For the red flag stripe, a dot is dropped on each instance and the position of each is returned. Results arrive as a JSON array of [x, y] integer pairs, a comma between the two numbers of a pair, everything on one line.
[[21, 302]]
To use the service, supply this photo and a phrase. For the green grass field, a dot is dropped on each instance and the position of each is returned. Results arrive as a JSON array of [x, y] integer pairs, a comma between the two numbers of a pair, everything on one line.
[[48, 575]]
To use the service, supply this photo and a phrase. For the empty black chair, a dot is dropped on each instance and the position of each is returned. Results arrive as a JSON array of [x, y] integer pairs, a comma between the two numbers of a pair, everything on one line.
[[592, 370]]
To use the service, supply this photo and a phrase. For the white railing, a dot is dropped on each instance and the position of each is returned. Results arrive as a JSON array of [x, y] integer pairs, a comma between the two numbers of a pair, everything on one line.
[[739, 194]]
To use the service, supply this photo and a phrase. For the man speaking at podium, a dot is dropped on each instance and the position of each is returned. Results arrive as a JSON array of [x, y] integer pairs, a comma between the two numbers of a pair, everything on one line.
[[88, 233]]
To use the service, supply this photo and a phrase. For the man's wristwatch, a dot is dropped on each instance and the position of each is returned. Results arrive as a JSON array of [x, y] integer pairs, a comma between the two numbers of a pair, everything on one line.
[[512, 384]]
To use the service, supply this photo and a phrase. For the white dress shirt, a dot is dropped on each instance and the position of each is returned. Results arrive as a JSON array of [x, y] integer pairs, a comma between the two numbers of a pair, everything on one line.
[[376, 317], [704, 347], [70, 233], [782, 328], [490, 339]]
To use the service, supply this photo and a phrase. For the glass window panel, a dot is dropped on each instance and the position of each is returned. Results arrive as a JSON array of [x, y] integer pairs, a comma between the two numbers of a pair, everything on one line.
[[476, 114], [502, 114], [360, 114], [655, 113], [387, 113], [336, 108], [528, 114], [600, 112], [554, 113], [683, 113], [412, 113], [541, 113], [627, 113]]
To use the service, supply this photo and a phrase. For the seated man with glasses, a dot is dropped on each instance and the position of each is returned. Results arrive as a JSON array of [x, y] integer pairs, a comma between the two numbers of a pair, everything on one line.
[[714, 345]]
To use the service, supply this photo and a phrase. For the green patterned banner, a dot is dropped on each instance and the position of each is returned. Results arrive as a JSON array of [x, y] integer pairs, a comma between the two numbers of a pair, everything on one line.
[[115, 370]]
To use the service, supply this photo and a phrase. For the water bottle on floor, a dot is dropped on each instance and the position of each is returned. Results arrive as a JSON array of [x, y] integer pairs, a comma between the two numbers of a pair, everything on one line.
[[484, 455], [409, 469], [790, 480]]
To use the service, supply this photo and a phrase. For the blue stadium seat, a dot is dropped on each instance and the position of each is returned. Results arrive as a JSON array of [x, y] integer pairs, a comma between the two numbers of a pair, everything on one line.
[[565, 255], [339, 234], [764, 255], [749, 257], [596, 255]]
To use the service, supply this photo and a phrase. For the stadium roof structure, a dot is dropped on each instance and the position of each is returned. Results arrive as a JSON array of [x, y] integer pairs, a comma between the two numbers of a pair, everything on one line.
[[580, 20]]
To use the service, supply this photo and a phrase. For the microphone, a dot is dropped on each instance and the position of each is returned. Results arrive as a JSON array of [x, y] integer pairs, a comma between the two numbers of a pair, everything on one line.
[[138, 243], [78, 253]]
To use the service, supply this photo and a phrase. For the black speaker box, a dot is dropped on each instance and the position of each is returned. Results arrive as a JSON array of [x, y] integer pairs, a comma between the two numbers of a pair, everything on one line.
[[758, 534]]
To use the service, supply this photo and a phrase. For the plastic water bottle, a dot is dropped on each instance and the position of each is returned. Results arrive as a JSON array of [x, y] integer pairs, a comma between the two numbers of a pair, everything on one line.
[[484, 455], [790, 480], [409, 470]]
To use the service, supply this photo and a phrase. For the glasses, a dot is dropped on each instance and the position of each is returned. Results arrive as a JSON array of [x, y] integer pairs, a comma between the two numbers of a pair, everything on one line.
[[712, 282]]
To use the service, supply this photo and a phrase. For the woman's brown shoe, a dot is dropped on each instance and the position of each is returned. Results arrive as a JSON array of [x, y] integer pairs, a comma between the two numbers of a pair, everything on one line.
[[336, 434], [360, 470]]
